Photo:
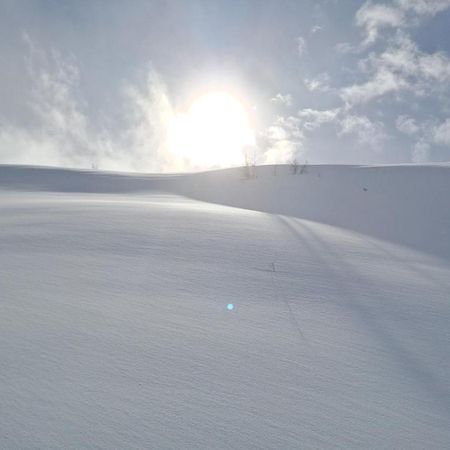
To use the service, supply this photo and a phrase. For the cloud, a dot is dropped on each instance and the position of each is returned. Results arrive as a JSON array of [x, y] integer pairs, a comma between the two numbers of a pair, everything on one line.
[[60, 130], [421, 152], [366, 131], [282, 99], [319, 83], [401, 66], [426, 134], [301, 46], [406, 125], [345, 47], [403, 56], [396, 69], [146, 133], [424, 7], [282, 141], [19, 146], [382, 82], [375, 16], [441, 133], [312, 118]]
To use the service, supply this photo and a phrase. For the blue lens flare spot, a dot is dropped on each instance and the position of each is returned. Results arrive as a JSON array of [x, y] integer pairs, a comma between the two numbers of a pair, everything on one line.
[[230, 306]]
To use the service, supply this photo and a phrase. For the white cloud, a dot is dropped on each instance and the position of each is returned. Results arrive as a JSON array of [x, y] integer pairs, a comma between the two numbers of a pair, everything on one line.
[[404, 57], [312, 118], [301, 46], [345, 47], [319, 83], [19, 146], [283, 140], [316, 28], [291, 125], [424, 7], [382, 82], [441, 133], [435, 66], [375, 16], [399, 69], [282, 99], [426, 133], [401, 66], [406, 125], [60, 133], [61, 122], [366, 131], [421, 152], [146, 133]]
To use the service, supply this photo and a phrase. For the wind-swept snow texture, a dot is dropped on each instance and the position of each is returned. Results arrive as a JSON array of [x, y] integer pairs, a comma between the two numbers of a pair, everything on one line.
[[115, 331]]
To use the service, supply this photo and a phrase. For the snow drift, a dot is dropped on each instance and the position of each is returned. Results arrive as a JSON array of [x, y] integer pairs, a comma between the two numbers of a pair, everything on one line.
[[406, 204]]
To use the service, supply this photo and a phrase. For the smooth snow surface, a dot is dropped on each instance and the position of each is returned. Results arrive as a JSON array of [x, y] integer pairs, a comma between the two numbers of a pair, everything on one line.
[[116, 333]]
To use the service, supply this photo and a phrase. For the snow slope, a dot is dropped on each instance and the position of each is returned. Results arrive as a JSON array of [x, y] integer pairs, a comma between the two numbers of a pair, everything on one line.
[[407, 204], [115, 333]]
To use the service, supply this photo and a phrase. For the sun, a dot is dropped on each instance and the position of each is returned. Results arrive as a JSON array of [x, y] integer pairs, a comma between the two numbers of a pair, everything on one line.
[[213, 133]]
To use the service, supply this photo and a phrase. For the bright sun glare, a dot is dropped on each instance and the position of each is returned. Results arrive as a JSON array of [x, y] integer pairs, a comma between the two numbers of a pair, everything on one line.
[[213, 133]]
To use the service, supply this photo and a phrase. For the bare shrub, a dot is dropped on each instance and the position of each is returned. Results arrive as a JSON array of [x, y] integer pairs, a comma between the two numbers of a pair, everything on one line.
[[294, 166]]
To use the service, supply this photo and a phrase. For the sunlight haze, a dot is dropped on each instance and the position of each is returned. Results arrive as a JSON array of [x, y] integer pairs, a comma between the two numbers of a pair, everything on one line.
[[110, 84]]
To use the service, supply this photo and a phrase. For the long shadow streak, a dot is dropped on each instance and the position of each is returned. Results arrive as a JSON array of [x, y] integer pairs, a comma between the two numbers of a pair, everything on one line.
[[422, 375]]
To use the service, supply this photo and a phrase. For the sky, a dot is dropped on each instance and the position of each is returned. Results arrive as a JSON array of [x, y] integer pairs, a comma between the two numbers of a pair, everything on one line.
[[97, 83]]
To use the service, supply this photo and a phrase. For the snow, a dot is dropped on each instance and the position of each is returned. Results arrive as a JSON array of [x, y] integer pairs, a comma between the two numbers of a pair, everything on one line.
[[115, 329]]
